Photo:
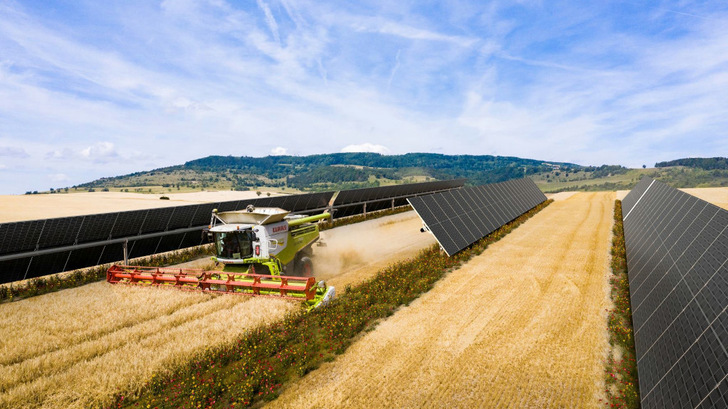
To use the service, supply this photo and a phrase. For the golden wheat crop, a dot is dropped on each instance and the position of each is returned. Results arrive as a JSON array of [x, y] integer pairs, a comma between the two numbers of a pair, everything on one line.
[[79, 347], [521, 325]]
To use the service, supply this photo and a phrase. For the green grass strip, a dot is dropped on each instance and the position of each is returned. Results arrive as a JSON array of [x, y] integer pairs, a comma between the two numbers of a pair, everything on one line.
[[621, 374], [253, 369]]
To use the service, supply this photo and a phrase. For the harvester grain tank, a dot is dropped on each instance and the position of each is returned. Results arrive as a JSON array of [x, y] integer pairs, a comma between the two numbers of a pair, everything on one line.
[[264, 252]]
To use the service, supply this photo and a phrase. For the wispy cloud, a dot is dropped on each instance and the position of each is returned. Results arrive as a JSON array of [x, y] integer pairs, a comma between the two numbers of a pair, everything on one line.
[[394, 69], [384, 26], [270, 20], [13, 152]]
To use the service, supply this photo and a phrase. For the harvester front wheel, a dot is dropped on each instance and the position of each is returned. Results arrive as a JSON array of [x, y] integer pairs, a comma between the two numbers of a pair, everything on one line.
[[304, 267]]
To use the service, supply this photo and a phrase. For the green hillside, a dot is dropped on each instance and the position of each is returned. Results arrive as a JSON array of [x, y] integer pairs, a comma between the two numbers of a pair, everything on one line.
[[323, 172], [626, 179], [355, 170], [699, 163]]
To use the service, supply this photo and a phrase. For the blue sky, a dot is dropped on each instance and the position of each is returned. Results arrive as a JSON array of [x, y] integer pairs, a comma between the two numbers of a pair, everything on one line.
[[91, 89]]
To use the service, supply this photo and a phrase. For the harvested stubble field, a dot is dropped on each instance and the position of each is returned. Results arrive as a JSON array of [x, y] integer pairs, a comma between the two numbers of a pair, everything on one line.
[[521, 325], [79, 347], [356, 252]]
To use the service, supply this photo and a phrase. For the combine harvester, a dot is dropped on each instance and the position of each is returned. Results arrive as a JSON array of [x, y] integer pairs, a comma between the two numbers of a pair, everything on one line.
[[255, 247]]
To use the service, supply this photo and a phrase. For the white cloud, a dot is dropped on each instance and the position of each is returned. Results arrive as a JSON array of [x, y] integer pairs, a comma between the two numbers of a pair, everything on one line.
[[58, 177], [279, 150], [366, 147], [3, 166], [99, 152]]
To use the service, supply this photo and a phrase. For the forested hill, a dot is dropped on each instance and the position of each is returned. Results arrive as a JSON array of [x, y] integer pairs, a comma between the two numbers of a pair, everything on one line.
[[478, 169], [329, 171], [701, 163]]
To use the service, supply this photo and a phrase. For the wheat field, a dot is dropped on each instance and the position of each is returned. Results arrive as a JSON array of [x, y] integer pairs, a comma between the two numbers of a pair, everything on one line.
[[716, 195], [77, 348], [81, 346], [521, 325]]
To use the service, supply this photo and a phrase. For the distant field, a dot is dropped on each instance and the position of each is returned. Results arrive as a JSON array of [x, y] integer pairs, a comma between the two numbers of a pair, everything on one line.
[[716, 195], [579, 179], [678, 177], [30, 207]]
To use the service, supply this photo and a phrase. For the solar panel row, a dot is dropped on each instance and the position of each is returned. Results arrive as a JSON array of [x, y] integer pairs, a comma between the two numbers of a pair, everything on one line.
[[677, 248], [633, 196], [459, 218], [30, 236], [382, 193], [20, 237], [351, 202], [40, 234]]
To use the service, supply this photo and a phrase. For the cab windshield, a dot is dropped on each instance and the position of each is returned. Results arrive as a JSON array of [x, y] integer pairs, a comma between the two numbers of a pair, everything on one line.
[[234, 245]]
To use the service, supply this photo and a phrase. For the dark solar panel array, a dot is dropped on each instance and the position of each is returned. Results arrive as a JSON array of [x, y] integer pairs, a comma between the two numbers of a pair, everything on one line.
[[28, 236], [677, 248], [633, 196], [459, 218], [351, 202]]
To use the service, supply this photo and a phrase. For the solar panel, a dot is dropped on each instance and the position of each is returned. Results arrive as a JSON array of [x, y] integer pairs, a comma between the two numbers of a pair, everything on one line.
[[20, 236], [387, 192], [677, 249], [57, 232], [458, 218], [351, 202]]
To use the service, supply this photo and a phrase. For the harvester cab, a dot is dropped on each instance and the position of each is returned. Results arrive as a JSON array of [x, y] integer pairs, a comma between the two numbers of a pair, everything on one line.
[[264, 252], [264, 241]]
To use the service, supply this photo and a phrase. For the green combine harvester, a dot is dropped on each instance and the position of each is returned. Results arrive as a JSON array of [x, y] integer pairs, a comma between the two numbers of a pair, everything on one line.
[[265, 252]]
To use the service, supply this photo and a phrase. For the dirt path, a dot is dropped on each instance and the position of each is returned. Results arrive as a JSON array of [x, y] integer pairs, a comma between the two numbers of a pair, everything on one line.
[[521, 325], [102, 339]]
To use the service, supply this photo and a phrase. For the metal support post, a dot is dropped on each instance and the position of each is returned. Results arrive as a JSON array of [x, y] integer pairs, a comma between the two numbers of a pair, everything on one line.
[[126, 254]]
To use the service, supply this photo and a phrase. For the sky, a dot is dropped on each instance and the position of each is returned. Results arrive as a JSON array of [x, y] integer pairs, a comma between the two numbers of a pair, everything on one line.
[[91, 89]]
